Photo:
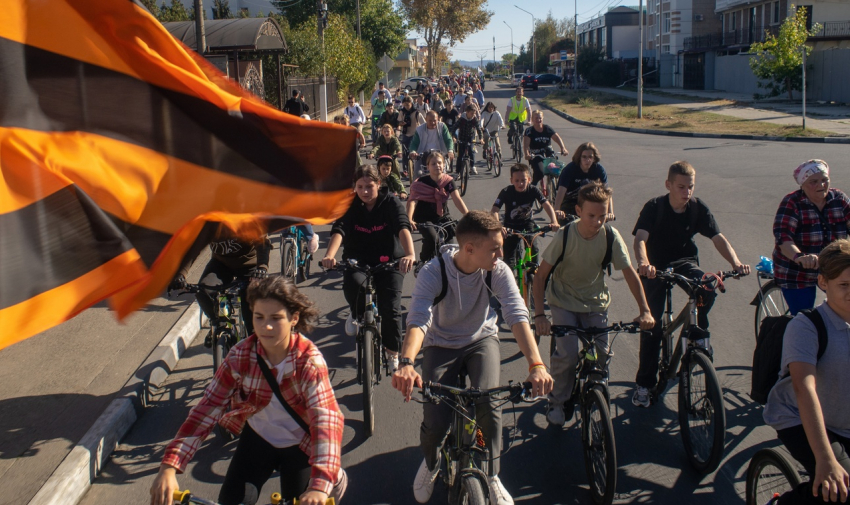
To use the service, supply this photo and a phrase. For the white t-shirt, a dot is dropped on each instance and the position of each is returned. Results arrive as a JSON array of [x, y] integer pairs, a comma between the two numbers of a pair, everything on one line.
[[274, 423]]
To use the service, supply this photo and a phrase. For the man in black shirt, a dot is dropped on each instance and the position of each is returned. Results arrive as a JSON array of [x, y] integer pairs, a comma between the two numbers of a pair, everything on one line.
[[464, 130], [390, 117], [664, 238], [449, 117], [295, 105]]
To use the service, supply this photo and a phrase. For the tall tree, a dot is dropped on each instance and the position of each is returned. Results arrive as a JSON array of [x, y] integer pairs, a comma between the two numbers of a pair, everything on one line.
[[175, 12], [779, 59], [221, 9], [151, 6], [588, 57], [449, 21]]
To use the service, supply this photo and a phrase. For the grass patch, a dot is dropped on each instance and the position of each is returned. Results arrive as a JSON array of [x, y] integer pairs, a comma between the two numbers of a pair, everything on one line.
[[616, 110]]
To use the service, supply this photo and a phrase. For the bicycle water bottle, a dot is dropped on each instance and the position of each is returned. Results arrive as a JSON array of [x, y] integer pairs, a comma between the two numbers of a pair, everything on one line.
[[765, 265], [223, 308]]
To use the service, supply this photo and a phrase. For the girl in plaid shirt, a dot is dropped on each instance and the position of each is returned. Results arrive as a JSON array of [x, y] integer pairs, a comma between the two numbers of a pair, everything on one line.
[[271, 439]]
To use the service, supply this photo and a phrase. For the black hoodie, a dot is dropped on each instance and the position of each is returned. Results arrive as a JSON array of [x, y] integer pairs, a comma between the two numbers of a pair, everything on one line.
[[371, 237]]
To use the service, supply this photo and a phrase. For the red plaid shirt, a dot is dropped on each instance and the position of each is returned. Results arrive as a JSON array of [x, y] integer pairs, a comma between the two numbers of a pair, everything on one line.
[[798, 220], [240, 382]]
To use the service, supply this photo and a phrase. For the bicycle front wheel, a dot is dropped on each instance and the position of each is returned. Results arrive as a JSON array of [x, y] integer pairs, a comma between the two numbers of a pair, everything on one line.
[[771, 303], [303, 261], [464, 176], [550, 189], [289, 263], [221, 346], [600, 453], [368, 363], [770, 473], [702, 416], [497, 164], [471, 491]]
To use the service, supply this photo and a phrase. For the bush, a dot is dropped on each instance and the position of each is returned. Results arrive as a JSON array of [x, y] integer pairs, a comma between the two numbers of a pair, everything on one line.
[[605, 73]]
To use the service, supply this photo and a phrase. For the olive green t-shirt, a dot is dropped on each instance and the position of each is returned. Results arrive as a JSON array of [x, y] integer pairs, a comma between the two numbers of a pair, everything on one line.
[[578, 282]]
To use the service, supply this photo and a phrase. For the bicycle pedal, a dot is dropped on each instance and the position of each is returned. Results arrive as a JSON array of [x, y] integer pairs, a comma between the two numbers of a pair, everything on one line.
[[208, 341]]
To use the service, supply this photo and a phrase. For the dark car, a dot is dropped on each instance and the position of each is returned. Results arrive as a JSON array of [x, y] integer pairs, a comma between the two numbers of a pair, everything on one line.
[[548, 79], [530, 81]]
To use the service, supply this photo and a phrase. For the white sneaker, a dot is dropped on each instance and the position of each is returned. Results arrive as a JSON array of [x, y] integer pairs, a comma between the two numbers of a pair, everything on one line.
[[423, 484], [498, 494], [555, 415], [313, 243], [641, 397], [474, 171], [350, 326]]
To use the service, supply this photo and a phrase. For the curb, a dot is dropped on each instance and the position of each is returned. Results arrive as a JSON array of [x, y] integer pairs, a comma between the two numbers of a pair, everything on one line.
[[815, 140], [72, 478]]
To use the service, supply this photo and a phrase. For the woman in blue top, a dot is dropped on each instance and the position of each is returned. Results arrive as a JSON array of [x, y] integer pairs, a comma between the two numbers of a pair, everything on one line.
[[583, 169]]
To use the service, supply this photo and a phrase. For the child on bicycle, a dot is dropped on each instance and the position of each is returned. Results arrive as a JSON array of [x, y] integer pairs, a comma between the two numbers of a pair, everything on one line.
[[491, 123], [429, 203], [301, 439], [578, 294], [390, 181], [388, 145], [375, 230], [518, 199], [808, 406], [664, 238], [583, 168]]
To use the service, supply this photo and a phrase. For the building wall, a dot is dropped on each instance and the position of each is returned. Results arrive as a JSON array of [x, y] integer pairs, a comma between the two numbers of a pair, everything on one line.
[[624, 38]]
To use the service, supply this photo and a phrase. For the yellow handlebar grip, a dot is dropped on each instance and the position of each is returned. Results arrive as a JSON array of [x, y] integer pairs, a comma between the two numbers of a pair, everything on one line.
[[329, 501], [179, 496], [276, 498]]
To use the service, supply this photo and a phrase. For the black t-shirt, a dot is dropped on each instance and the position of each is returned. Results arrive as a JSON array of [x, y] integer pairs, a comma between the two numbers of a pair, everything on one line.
[[573, 177], [408, 120], [426, 212], [519, 207], [449, 118], [540, 139], [388, 118], [371, 236], [672, 239]]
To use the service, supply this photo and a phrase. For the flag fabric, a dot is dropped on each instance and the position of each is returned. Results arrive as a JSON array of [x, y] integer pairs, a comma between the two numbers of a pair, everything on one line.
[[121, 150]]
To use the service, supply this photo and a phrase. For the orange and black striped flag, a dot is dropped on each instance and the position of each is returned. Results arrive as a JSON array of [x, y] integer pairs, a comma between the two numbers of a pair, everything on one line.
[[121, 149]]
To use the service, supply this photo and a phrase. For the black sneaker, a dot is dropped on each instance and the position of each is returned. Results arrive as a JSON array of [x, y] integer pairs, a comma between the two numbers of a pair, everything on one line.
[[208, 341]]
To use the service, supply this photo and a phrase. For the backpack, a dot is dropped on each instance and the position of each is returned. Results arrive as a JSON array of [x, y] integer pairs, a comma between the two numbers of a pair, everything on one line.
[[445, 280], [606, 261], [767, 358]]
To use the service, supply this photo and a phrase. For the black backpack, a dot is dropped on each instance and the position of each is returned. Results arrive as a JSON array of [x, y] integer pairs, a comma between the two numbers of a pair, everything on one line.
[[767, 358], [445, 278], [609, 250]]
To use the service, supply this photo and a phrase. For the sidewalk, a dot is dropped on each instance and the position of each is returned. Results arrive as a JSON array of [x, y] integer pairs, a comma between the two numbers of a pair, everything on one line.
[[828, 117]]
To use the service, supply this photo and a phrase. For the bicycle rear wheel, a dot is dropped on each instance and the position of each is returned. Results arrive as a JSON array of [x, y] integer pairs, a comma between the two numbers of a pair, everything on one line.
[[600, 453], [770, 473], [702, 416], [770, 303], [367, 363], [471, 491], [289, 263], [303, 261]]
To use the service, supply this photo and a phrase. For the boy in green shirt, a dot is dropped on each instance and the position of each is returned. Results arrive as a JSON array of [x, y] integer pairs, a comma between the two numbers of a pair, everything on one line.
[[577, 292]]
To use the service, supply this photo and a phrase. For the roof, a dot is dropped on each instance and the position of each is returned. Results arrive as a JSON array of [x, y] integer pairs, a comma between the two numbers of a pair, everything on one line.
[[246, 34]]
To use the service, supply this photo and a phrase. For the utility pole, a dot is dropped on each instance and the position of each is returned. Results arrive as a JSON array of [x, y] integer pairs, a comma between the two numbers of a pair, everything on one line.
[[804, 86], [322, 15], [494, 55], [200, 35], [575, 60], [533, 40], [512, 46], [640, 61], [358, 38]]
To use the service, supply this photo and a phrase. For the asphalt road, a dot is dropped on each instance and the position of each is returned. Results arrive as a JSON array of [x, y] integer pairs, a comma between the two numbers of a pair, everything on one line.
[[742, 182]]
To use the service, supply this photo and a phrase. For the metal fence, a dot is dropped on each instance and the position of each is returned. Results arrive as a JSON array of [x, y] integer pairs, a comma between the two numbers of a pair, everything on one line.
[[311, 87], [834, 29], [708, 41]]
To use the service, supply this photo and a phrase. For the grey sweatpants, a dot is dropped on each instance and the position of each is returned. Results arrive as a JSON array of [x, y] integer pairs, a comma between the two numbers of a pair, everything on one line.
[[565, 359], [481, 360]]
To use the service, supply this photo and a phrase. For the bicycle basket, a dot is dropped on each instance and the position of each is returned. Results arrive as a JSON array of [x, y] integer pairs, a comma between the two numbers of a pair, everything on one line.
[[552, 166]]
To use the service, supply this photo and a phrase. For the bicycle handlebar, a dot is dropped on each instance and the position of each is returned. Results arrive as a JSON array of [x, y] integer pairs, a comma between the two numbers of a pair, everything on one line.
[[518, 391], [436, 226], [562, 330], [366, 269], [186, 498], [539, 229], [232, 287], [710, 281]]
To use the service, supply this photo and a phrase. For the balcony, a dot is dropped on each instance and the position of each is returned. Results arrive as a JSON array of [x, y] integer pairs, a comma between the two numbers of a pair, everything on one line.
[[722, 5], [746, 36], [834, 29], [709, 41]]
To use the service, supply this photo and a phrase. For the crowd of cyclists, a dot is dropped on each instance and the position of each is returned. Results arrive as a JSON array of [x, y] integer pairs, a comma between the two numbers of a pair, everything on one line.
[[289, 419]]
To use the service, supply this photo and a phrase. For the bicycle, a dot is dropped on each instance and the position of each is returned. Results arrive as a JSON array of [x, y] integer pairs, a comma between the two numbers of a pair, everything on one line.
[[526, 266], [250, 498], [443, 229], [769, 301], [369, 350], [295, 260], [702, 415], [516, 138], [551, 173], [770, 475], [465, 454], [591, 392], [493, 154], [464, 166]]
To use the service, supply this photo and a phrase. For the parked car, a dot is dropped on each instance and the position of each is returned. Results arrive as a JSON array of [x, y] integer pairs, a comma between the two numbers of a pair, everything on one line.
[[530, 81], [410, 84], [517, 79], [548, 79]]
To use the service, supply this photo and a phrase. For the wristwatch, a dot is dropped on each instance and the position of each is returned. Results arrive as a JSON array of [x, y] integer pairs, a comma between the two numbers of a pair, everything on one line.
[[796, 255], [405, 362]]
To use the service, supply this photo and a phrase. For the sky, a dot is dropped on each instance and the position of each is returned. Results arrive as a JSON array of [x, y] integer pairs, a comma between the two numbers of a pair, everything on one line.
[[505, 12]]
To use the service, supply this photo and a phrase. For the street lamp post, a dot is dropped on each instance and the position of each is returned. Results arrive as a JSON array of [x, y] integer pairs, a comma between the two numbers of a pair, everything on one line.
[[533, 40], [575, 58], [322, 15], [512, 45]]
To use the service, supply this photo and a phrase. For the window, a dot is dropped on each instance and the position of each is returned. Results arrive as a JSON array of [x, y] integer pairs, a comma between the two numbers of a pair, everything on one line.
[[734, 25], [602, 37], [775, 12], [666, 23], [665, 49]]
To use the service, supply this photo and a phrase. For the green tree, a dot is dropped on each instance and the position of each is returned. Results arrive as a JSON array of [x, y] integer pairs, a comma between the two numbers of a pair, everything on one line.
[[445, 20], [779, 59], [588, 57], [175, 12], [151, 6], [221, 10]]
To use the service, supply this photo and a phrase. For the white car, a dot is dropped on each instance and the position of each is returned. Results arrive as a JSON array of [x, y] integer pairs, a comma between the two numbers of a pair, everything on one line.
[[410, 84], [517, 79]]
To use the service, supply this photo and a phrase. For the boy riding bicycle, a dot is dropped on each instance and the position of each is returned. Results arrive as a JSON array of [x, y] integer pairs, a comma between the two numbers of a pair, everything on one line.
[[664, 238], [458, 332], [578, 294], [518, 199]]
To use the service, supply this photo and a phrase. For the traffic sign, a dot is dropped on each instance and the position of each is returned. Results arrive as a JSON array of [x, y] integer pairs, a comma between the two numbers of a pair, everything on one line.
[[563, 55], [386, 63]]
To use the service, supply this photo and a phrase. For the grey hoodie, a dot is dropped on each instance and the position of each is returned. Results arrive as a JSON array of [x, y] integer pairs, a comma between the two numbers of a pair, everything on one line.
[[464, 315]]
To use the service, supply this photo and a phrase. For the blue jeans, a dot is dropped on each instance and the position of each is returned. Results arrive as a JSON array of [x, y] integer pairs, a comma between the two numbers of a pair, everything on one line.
[[799, 299]]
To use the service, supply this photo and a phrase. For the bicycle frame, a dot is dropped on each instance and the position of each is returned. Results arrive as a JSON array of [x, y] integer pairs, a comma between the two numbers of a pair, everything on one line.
[[527, 264], [371, 320]]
